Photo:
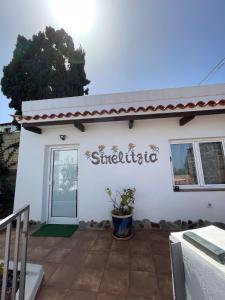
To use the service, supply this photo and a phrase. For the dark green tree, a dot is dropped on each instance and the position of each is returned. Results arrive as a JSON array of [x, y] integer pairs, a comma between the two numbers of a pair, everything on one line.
[[46, 66], [7, 187]]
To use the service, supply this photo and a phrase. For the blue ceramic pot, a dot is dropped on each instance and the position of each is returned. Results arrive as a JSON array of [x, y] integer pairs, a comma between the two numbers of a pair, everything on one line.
[[122, 226]]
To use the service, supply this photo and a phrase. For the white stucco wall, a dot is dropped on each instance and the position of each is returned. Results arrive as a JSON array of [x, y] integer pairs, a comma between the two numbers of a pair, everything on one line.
[[155, 198]]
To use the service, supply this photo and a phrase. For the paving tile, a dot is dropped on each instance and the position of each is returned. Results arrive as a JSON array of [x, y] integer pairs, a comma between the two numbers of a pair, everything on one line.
[[141, 235], [120, 246], [2, 239], [2, 236], [91, 265], [115, 282], [47, 242], [105, 296], [78, 234], [51, 293], [2, 252], [129, 297], [85, 234], [102, 245], [49, 269], [12, 250], [92, 234], [50, 241], [75, 257], [63, 276], [67, 243], [142, 263], [96, 260], [37, 254], [57, 255], [160, 247], [117, 260], [105, 234], [80, 295], [85, 244], [162, 264], [143, 284], [87, 279], [140, 246], [165, 287], [34, 241], [159, 236]]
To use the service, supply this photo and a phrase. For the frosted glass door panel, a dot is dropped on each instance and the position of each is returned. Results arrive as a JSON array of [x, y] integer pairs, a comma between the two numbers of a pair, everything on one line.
[[64, 183]]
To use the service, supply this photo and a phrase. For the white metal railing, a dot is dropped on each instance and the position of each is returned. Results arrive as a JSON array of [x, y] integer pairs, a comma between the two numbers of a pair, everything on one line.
[[20, 215]]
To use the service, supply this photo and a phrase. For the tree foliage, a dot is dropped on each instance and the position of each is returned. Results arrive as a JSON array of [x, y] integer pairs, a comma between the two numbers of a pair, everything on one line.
[[6, 155], [7, 184], [46, 66]]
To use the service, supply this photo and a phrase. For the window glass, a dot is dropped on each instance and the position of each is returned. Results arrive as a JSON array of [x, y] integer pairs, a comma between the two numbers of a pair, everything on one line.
[[183, 160], [213, 165], [64, 183]]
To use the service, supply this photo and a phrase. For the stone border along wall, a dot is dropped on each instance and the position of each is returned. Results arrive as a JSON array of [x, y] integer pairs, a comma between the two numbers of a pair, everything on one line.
[[146, 224]]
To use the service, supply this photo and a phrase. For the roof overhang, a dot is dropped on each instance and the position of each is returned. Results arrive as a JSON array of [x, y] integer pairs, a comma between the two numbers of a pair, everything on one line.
[[185, 113]]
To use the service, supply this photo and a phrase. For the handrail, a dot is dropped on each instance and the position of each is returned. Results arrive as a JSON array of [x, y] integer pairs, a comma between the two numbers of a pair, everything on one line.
[[12, 217], [22, 214]]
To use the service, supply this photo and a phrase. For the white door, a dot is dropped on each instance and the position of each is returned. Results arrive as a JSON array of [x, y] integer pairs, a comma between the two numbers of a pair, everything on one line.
[[63, 186]]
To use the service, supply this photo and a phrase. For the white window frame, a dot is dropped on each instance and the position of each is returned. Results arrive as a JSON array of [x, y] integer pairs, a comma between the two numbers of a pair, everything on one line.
[[198, 163], [49, 218]]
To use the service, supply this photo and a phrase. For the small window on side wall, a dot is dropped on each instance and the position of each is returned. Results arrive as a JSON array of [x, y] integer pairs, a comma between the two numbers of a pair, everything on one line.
[[198, 163]]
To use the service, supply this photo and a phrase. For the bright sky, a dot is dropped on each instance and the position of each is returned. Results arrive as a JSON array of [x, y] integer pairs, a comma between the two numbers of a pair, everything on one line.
[[132, 44]]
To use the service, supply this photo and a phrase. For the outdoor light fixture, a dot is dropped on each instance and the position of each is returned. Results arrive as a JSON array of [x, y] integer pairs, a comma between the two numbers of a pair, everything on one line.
[[62, 137]]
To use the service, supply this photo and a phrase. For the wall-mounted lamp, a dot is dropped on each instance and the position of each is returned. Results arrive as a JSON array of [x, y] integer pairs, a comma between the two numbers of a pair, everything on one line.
[[62, 137]]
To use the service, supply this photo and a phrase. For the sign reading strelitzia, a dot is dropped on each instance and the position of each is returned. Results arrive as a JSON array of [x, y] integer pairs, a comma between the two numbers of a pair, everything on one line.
[[117, 156]]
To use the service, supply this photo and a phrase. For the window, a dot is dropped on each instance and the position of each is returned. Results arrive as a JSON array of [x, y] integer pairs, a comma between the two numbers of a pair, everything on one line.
[[198, 163], [184, 168]]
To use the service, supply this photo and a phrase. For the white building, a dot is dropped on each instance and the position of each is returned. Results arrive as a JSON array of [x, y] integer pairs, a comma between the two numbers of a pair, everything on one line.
[[7, 128], [168, 144]]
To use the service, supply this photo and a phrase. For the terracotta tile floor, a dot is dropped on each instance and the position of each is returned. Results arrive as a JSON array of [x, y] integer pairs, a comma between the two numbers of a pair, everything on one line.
[[91, 265]]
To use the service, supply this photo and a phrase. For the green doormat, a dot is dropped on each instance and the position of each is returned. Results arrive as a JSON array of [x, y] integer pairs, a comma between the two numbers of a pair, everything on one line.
[[56, 230]]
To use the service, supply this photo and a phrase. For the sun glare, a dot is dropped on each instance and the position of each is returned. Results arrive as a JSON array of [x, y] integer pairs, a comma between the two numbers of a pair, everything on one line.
[[75, 16]]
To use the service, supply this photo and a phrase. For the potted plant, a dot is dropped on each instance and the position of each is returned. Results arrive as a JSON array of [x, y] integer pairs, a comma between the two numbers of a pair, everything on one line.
[[122, 212]]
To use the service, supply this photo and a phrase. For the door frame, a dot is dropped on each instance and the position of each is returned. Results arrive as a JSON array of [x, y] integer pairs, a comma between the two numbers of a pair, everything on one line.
[[60, 220]]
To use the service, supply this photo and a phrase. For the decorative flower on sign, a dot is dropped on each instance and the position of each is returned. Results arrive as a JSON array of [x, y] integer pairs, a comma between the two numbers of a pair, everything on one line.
[[88, 154], [101, 148], [154, 148], [115, 148], [131, 147]]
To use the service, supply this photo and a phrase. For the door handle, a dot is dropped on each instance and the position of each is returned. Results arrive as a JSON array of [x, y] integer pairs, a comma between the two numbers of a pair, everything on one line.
[[76, 202]]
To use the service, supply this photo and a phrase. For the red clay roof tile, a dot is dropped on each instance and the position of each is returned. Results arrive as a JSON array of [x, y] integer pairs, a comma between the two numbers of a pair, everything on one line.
[[150, 108]]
